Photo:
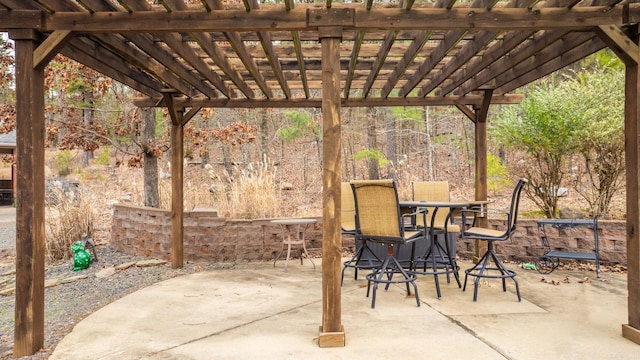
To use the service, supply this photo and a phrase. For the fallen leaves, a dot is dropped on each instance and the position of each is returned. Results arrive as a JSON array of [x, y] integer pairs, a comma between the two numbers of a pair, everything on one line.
[[552, 282], [566, 280]]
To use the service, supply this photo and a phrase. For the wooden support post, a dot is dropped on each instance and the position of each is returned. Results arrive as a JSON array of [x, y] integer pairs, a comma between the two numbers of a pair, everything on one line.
[[481, 165], [632, 152], [331, 330], [30, 225], [177, 182], [177, 197]]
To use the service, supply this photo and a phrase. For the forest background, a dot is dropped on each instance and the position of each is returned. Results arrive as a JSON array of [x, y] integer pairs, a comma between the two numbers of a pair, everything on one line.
[[566, 137]]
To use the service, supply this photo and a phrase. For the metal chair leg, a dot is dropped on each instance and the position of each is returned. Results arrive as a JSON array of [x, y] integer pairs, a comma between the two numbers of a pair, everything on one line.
[[357, 258], [385, 273], [483, 265]]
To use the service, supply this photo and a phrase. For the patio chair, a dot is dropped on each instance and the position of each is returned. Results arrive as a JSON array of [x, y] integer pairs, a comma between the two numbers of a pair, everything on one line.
[[364, 257], [379, 220], [442, 242], [483, 268], [436, 191]]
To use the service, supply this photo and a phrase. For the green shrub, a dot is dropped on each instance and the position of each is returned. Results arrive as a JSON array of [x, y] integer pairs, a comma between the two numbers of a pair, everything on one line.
[[104, 157], [64, 162], [497, 175], [372, 155]]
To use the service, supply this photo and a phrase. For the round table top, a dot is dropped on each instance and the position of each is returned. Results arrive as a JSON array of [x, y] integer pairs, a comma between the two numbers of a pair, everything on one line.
[[293, 221]]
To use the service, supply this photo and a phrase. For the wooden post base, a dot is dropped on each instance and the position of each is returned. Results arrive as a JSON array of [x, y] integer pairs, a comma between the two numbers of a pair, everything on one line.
[[331, 339], [479, 249], [631, 333]]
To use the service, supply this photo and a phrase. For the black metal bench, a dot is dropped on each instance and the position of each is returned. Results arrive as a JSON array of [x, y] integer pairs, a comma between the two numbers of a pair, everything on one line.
[[551, 257], [6, 197]]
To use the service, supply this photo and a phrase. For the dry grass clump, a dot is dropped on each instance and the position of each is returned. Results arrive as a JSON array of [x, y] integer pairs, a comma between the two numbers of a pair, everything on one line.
[[254, 194], [68, 219]]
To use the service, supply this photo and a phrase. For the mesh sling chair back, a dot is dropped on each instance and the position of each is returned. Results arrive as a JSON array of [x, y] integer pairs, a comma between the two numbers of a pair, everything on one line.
[[364, 257], [441, 252], [483, 268], [348, 213], [434, 191], [378, 219]]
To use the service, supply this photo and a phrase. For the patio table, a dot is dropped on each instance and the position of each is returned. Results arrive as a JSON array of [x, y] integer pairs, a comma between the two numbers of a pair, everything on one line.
[[446, 251], [293, 234]]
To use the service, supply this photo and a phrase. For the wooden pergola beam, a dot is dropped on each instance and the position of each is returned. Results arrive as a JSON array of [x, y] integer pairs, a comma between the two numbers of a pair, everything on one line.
[[618, 42], [301, 19], [401, 67], [162, 59], [114, 67], [50, 47], [589, 47], [297, 44], [467, 53], [475, 66], [174, 41], [267, 46], [383, 51], [538, 42], [451, 39], [235, 40], [353, 61], [317, 103]]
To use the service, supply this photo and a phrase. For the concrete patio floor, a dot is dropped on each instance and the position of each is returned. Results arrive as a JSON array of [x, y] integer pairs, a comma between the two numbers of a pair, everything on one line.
[[260, 312]]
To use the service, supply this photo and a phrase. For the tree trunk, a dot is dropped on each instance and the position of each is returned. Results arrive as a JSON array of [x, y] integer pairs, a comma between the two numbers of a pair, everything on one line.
[[264, 137], [428, 146], [226, 158], [305, 172], [371, 138], [392, 146], [151, 194], [87, 117], [345, 155], [205, 158], [318, 137], [226, 151]]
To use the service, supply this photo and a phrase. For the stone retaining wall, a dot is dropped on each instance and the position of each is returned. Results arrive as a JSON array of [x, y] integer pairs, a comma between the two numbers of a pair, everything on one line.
[[525, 245], [147, 232]]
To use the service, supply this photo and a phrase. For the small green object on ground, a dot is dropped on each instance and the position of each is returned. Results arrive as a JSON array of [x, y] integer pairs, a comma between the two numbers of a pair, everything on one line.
[[81, 257]]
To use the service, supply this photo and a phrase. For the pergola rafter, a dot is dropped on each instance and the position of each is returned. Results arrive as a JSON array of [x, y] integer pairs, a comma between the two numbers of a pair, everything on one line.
[[327, 55]]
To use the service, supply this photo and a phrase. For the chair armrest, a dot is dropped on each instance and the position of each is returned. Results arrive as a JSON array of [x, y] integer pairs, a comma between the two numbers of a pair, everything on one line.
[[422, 211], [485, 211], [412, 215], [474, 214]]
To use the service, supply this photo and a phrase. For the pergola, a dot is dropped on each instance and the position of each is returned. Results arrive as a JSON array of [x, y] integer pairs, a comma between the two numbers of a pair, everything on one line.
[[211, 53]]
